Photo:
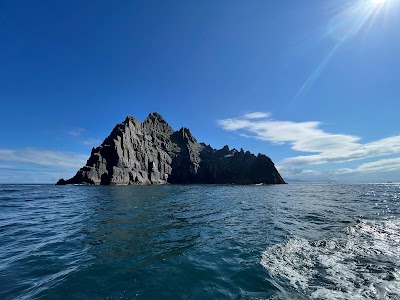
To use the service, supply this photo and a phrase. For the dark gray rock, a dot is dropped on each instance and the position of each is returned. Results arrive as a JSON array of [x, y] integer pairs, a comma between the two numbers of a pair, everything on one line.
[[153, 153]]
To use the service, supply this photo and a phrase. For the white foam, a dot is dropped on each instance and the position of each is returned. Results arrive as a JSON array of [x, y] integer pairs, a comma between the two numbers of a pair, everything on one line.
[[362, 263]]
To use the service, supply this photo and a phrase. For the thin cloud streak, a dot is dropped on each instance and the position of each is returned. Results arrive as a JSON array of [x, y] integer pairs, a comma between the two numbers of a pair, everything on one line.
[[386, 168], [76, 132], [383, 165], [257, 115], [92, 142], [380, 166], [32, 176]]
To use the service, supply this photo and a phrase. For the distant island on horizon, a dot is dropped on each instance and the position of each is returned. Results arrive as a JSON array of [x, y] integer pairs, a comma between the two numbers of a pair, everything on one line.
[[153, 153]]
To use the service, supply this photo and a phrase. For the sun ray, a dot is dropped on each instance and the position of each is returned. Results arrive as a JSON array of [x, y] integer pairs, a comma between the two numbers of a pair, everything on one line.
[[344, 25]]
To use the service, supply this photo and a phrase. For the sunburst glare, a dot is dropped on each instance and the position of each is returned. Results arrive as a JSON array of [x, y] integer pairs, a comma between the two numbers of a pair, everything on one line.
[[345, 24]]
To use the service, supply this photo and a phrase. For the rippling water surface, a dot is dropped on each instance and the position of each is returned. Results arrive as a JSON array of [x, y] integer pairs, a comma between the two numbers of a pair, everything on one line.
[[296, 241]]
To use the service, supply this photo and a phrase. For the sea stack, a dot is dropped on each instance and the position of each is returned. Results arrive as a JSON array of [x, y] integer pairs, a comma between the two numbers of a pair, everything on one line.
[[151, 152]]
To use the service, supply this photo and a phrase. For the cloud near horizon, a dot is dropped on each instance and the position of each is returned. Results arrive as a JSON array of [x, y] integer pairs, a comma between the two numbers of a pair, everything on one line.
[[387, 166], [43, 158], [32, 165], [309, 137]]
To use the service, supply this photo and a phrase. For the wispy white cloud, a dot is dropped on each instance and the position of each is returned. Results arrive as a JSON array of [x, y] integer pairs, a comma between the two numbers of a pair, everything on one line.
[[44, 158], [16, 175], [383, 170], [350, 151], [80, 135], [31, 165], [379, 166], [76, 131], [309, 137], [92, 142]]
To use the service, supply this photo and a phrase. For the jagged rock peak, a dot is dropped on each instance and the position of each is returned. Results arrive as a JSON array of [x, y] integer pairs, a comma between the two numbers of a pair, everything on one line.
[[155, 122], [155, 117]]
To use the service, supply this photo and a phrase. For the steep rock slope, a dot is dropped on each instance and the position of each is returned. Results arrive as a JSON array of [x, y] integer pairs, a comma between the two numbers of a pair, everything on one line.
[[153, 153]]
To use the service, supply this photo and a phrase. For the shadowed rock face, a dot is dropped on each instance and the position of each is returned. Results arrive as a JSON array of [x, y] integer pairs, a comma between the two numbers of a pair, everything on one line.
[[153, 153]]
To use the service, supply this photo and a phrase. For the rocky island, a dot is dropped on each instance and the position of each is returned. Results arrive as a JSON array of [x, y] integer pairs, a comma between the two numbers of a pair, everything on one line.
[[153, 153]]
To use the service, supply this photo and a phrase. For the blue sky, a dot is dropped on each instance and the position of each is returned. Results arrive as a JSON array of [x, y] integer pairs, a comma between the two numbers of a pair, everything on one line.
[[314, 84]]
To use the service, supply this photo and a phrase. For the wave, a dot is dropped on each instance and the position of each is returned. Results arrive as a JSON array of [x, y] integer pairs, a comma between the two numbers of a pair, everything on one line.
[[47, 282], [361, 263]]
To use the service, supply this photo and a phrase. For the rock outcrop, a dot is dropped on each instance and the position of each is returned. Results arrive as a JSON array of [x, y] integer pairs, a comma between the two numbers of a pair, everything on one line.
[[153, 153]]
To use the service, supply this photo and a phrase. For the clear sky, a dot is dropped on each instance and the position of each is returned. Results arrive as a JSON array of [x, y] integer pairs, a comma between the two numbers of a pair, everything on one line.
[[314, 84]]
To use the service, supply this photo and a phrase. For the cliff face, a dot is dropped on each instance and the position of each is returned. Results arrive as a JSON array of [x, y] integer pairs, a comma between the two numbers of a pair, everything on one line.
[[153, 153]]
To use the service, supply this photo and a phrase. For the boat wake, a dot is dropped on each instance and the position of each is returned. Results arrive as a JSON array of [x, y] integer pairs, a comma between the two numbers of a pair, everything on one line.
[[362, 263]]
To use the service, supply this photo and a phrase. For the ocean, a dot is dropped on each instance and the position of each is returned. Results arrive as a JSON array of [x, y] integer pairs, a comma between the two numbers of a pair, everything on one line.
[[295, 241]]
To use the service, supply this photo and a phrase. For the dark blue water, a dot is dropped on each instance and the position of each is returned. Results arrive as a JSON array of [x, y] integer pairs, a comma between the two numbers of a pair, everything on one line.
[[298, 241]]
